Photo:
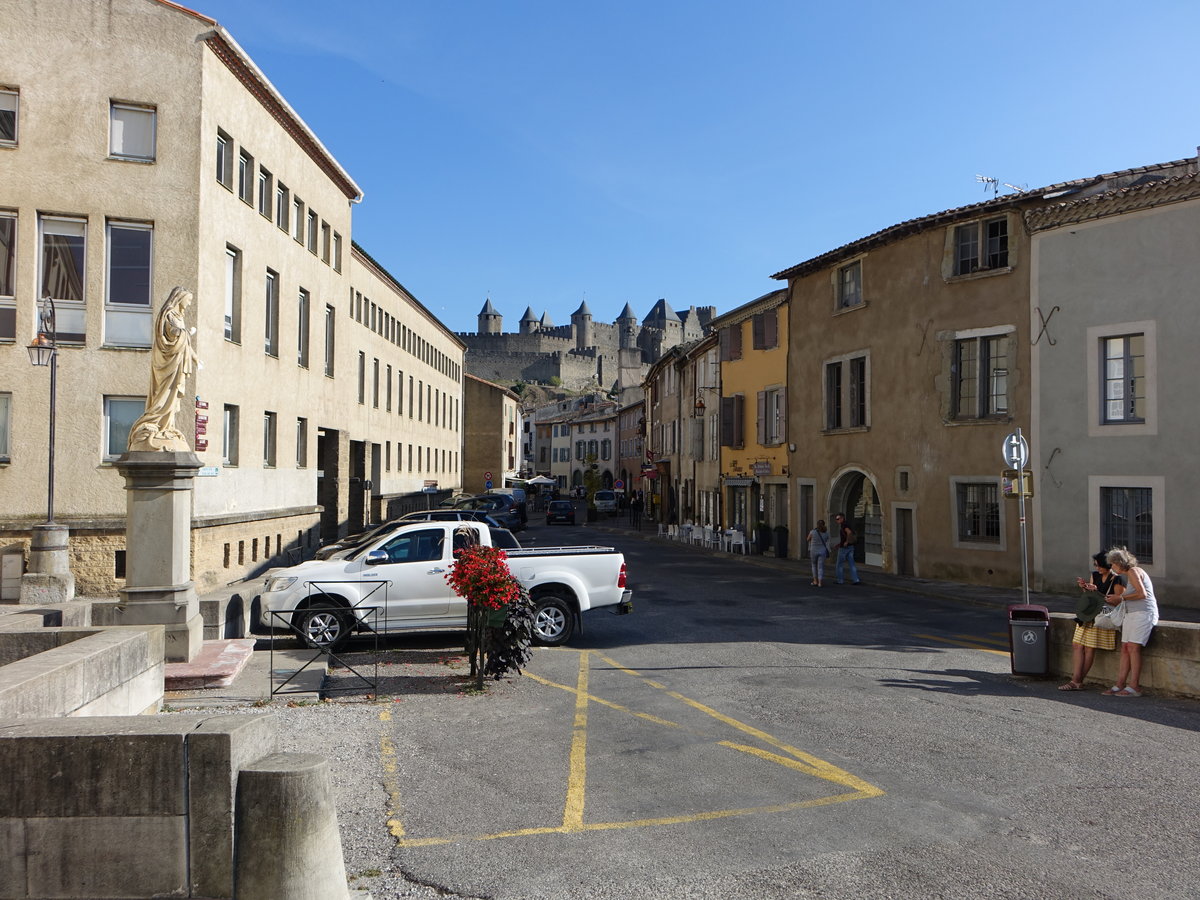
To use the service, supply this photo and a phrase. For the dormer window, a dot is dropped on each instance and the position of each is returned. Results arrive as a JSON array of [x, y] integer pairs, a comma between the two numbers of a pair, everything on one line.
[[981, 246]]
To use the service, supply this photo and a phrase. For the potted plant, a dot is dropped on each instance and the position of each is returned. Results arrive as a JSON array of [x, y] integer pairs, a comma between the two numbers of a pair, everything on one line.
[[499, 611]]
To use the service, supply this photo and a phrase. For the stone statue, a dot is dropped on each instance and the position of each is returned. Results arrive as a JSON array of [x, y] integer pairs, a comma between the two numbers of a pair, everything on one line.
[[172, 359]]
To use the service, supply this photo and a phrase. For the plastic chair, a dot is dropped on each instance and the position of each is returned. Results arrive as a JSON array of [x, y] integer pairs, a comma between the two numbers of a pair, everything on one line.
[[737, 539], [663, 531]]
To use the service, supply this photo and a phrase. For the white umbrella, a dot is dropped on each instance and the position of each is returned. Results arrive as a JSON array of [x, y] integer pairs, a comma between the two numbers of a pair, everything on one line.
[[541, 479]]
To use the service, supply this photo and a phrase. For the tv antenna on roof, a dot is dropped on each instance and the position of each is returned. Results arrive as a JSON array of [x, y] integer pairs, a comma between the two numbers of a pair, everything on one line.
[[994, 184]]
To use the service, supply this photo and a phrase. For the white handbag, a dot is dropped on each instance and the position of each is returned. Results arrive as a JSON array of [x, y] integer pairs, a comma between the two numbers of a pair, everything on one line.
[[1110, 618]]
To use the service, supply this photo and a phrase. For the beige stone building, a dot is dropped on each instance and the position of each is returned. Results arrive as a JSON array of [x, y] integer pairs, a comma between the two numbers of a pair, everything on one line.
[[489, 453], [142, 149]]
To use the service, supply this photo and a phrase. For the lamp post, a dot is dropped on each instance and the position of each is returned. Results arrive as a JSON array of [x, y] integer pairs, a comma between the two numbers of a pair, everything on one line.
[[44, 352], [49, 579]]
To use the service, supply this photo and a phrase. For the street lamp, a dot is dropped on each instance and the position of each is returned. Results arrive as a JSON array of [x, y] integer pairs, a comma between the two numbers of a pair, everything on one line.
[[44, 352]]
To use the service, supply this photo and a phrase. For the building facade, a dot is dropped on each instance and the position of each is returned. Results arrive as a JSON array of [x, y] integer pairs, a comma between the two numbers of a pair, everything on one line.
[[490, 453]]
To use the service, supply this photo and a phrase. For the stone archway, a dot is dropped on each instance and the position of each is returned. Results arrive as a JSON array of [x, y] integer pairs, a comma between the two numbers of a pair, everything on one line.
[[854, 494]]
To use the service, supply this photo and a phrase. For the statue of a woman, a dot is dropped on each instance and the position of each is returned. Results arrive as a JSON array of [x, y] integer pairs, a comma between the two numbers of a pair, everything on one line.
[[171, 362]]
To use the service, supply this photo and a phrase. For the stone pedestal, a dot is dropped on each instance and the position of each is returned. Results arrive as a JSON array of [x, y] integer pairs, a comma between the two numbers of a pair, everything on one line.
[[158, 549], [49, 578]]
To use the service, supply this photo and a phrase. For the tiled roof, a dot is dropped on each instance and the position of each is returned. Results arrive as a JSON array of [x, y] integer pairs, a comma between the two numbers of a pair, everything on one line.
[[767, 301], [1021, 199], [1113, 203]]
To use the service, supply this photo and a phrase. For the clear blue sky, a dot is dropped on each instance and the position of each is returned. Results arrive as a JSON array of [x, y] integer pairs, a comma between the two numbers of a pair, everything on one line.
[[542, 153]]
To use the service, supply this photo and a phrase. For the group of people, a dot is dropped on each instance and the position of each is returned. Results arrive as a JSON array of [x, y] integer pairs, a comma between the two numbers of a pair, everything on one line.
[[1117, 580], [819, 549]]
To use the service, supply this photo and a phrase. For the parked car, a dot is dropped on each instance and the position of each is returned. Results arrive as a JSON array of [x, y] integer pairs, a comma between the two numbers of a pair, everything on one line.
[[350, 541], [560, 511], [517, 494], [501, 507], [326, 601], [451, 515], [605, 502]]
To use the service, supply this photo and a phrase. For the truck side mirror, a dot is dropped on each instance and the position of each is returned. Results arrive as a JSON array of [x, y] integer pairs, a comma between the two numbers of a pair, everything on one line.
[[376, 558]]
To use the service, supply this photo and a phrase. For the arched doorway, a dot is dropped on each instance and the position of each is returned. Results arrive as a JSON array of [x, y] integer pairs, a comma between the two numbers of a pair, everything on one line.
[[854, 494]]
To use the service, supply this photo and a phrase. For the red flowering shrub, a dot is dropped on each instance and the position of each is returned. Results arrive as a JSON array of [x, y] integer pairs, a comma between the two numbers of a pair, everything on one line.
[[480, 576]]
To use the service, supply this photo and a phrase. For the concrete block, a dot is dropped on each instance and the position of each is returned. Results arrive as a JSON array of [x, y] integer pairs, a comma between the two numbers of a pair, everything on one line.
[[127, 857], [12, 859], [139, 695], [217, 750], [287, 835]]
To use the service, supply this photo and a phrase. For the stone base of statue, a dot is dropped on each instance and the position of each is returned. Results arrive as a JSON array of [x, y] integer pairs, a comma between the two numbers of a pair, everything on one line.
[[158, 549], [49, 579]]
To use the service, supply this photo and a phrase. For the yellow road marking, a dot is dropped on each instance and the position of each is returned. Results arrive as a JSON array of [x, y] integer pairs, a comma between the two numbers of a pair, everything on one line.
[[965, 644], [983, 640], [796, 759], [387, 754], [577, 779]]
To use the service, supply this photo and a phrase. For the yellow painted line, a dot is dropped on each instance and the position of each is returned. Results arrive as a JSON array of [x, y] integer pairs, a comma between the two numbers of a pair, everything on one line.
[[983, 640], [817, 767], [964, 644], [592, 698], [387, 754], [577, 778]]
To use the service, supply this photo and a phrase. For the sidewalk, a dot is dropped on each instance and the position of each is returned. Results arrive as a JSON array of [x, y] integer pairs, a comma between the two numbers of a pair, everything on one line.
[[973, 594]]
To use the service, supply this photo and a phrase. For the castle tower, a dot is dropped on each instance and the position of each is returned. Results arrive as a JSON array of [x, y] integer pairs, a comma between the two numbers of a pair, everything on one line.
[[582, 320], [490, 321], [627, 328], [529, 322]]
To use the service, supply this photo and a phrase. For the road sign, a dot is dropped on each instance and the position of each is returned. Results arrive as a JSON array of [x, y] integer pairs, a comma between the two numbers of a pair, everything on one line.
[[1015, 450], [618, 485], [487, 476], [487, 485], [1015, 483]]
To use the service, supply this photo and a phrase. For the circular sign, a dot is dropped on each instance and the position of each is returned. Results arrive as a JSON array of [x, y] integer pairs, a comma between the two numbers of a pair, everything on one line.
[[619, 485], [1015, 451], [487, 476], [488, 484], [1029, 637]]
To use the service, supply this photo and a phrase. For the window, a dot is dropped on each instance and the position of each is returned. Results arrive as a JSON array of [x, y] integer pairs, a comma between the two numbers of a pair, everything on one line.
[[131, 131], [1124, 361], [362, 377], [298, 220], [8, 116], [1127, 520], [271, 303], [847, 393], [733, 432], [229, 436], [849, 285], [329, 334], [303, 304], [63, 245], [5, 425], [119, 415], [312, 232], [129, 263], [375, 385], [978, 512], [337, 252], [731, 342], [269, 440], [388, 378], [266, 190], [325, 239], [224, 159], [766, 330], [980, 377], [8, 274], [233, 294], [301, 443], [980, 246], [245, 187], [415, 546], [282, 204], [772, 414]]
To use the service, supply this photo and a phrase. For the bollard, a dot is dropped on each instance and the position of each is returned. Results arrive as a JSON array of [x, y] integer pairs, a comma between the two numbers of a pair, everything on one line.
[[286, 840]]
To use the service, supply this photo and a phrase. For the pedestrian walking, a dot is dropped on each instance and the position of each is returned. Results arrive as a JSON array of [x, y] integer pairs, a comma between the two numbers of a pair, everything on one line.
[[818, 551], [845, 550]]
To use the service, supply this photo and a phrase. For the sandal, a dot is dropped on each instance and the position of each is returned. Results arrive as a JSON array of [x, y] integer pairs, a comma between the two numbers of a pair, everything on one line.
[[1070, 686], [1112, 691], [1127, 692]]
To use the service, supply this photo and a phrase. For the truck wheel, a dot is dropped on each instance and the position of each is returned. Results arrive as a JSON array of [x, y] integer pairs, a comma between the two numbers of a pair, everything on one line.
[[553, 621], [323, 625]]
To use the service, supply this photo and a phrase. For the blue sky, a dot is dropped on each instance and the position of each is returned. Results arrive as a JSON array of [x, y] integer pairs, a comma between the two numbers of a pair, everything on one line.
[[544, 153]]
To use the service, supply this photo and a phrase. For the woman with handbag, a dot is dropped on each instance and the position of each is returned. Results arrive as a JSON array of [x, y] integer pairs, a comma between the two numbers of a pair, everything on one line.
[[1141, 615], [1104, 587], [818, 552]]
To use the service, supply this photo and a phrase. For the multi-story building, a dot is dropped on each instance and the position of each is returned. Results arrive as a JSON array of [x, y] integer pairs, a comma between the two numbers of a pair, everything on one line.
[[631, 446], [1113, 435], [143, 149], [490, 437]]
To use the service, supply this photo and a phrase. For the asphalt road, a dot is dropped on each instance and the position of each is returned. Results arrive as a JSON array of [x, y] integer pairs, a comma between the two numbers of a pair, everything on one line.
[[745, 735]]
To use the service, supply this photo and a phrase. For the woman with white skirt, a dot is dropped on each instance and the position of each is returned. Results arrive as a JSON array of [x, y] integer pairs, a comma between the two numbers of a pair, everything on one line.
[[1141, 615]]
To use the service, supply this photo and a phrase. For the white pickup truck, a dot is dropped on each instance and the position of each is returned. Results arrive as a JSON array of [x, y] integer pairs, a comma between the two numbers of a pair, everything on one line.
[[398, 583]]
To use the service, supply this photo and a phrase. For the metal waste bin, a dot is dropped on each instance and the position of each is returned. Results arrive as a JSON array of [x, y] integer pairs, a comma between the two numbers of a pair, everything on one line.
[[1029, 639]]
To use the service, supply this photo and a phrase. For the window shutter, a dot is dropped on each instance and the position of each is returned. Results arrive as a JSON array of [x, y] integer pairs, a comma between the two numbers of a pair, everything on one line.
[[761, 434], [759, 326], [771, 329], [739, 421], [782, 434], [727, 413], [723, 340], [735, 342]]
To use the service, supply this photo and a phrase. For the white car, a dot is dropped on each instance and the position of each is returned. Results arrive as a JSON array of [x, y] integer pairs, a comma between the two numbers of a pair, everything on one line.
[[398, 583], [606, 502]]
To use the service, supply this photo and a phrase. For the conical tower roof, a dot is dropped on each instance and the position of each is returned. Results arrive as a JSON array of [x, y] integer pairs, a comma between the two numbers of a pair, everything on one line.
[[627, 313], [488, 309], [528, 315], [582, 311], [545, 320], [661, 312]]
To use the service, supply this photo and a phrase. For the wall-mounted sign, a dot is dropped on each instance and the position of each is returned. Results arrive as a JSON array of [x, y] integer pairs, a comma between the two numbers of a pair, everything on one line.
[[201, 444]]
